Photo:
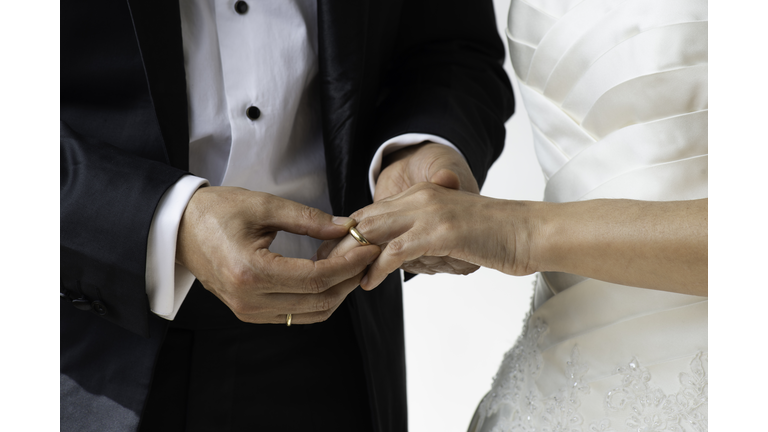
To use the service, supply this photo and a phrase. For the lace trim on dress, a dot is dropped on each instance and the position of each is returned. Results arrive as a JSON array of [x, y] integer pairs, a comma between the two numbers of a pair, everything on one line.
[[651, 410], [520, 405]]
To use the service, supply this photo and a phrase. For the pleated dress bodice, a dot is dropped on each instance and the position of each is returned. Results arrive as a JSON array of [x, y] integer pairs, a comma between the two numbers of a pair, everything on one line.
[[616, 91]]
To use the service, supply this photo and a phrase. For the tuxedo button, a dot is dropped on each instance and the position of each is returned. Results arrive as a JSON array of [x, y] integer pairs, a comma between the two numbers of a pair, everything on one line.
[[79, 302], [82, 304], [99, 307], [241, 7], [253, 113]]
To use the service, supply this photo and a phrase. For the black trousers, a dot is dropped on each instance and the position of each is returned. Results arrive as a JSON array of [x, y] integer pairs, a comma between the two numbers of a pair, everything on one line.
[[250, 377]]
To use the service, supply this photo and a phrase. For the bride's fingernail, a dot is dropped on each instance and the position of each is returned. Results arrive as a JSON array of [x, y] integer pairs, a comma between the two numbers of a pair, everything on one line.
[[364, 281], [344, 221]]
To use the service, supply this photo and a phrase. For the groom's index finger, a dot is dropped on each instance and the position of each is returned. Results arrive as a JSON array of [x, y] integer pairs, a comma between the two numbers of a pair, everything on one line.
[[337, 247], [302, 276], [297, 218]]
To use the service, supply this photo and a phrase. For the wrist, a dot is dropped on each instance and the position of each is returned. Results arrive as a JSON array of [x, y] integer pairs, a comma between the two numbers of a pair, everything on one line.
[[549, 236], [532, 234], [512, 227], [189, 219], [400, 154]]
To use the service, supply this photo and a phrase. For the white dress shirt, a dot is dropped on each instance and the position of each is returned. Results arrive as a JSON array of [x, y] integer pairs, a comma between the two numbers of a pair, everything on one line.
[[266, 58]]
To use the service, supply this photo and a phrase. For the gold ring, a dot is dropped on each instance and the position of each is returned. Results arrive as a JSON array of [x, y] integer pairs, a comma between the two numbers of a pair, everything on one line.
[[359, 237], [288, 320]]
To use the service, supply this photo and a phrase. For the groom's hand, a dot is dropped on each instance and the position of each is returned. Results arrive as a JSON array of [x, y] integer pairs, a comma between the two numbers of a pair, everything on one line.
[[429, 162], [224, 240]]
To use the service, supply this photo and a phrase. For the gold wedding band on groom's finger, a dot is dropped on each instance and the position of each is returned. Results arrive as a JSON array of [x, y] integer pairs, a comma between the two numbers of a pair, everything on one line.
[[288, 320], [359, 237]]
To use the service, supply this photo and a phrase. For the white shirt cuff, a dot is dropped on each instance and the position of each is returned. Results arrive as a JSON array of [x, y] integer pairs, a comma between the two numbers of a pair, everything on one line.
[[167, 282], [397, 143]]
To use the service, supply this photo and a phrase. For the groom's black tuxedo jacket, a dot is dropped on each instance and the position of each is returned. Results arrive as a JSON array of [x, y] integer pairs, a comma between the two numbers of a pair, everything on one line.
[[385, 68]]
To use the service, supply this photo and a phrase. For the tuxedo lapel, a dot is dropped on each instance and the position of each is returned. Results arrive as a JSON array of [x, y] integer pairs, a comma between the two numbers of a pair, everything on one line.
[[342, 40], [157, 24]]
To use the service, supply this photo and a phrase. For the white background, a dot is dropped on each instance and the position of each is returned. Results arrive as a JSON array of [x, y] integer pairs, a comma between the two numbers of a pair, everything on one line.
[[457, 328], [456, 331]]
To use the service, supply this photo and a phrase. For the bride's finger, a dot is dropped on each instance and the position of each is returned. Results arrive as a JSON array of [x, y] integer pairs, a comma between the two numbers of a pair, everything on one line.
[[337, 247], [392, 203], [375, 209], [435, 265], [404, 248], [382, 228]]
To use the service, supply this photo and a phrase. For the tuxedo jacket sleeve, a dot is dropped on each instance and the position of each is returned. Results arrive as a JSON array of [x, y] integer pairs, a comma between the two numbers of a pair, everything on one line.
[[389, 68], [116, 161], [446, 78]]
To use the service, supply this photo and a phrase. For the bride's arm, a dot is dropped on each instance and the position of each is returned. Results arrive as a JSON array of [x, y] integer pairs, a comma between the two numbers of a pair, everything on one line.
[[657, 245], [648, 244]]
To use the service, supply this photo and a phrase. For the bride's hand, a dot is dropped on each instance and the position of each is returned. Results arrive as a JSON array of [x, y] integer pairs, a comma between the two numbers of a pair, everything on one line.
[[427, 162], [428, 222]]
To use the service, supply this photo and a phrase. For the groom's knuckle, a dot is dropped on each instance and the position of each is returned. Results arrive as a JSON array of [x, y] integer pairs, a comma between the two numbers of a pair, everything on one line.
[[266, 201], [324, 315], [241, 316], [309, 214], [316, 284], [360, 214], [427, 193], [242, 308], [396, 247], [324, 303], [263, 205], [241, 278], [365, 225], [237, 308], [443, 226]]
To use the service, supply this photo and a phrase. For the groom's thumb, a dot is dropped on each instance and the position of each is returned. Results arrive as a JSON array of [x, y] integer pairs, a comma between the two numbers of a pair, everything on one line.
[[446, 178]]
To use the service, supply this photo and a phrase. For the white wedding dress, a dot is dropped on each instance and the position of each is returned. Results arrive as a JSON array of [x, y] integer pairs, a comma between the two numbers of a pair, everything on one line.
[[617, 95]]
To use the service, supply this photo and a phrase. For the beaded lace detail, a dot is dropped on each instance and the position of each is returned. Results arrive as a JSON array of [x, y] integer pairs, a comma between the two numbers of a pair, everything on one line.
[[649, 409], [634, 405]]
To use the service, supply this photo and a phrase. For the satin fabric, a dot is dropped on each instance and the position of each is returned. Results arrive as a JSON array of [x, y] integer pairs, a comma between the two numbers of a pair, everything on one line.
[[617, 95]]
